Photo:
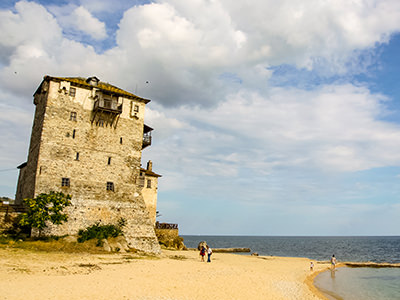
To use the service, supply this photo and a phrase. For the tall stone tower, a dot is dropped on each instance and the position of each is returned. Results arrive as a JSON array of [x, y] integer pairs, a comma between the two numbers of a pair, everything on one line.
[[87, 140]]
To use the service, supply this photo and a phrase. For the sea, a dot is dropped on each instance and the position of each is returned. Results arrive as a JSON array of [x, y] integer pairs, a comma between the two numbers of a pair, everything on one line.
[[344, 283]]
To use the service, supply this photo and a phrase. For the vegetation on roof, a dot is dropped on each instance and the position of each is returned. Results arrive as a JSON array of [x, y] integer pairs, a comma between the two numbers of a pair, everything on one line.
[[101, 85]]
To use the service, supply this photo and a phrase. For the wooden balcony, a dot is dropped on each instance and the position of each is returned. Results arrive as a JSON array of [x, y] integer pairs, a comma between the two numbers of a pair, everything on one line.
[[107, 105], [146, 136], [146, 140]]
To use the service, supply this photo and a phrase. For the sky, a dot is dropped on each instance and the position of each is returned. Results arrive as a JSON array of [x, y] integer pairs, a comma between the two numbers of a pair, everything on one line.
[[270, 117]]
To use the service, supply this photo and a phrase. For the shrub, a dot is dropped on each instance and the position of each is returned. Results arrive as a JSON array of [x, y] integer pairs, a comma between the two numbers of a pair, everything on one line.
[[44, 208], [100, 232]]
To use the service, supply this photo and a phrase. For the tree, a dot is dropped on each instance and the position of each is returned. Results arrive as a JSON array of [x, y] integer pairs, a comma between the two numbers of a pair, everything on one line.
[[44, 208]]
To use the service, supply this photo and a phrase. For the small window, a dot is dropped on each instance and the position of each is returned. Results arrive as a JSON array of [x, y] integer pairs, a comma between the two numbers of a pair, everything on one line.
[[110, 186], [148, 183], [65, 181], [100, 123], [73, 133], [140, 181], [77, 156], [120, 140], [72, 116], [72, 91], [109, 161], [136, 108]]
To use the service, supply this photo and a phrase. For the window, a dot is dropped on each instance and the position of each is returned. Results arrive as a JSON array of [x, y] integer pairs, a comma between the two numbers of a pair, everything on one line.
[[140, 180], [73, 133], [136, 108], [109, 161], [120, 140], [148, 183], [110, 186], [72, 116], [65, 181], [100, 122], [77, 156], [72, 91]]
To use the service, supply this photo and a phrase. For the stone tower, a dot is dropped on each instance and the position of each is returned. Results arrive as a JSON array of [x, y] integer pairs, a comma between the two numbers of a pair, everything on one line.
[[87, 140]]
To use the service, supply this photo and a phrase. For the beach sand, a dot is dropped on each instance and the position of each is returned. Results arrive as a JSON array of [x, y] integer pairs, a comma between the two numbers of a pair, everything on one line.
[[174, 275]]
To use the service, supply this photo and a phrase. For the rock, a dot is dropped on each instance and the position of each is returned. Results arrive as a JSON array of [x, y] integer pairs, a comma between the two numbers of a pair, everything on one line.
[[123, 244], [70, 239], [254, 254], [106, 246], [201, 244], [119, 248], [231, 250]]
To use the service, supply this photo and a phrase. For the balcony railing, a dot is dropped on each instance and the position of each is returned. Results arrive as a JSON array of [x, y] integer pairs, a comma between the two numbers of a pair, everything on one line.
[[146, 140], [166, 225], [107, 105]]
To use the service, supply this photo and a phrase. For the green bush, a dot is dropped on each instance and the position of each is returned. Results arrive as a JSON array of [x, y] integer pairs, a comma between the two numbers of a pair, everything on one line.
[[99, 232], [45, 208]]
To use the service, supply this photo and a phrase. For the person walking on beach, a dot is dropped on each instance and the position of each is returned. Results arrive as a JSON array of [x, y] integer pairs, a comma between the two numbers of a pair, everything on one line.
[[209, 252], [333, 262], [202, 252], [311, 266]]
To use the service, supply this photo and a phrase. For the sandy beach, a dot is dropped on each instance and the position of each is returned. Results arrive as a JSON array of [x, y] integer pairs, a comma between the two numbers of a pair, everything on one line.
[[174, 275]]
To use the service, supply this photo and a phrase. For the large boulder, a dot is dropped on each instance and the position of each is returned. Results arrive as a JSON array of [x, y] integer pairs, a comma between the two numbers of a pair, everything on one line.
[[202, 244]]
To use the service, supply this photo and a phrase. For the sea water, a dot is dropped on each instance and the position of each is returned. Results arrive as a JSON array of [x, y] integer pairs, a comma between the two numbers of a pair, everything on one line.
[[351, 248], [344, 283], [360, 283]]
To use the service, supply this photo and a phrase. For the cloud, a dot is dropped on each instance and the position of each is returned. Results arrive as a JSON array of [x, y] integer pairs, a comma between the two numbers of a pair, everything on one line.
[[331, 129], [82, 20], [225, 124], [186, 51]]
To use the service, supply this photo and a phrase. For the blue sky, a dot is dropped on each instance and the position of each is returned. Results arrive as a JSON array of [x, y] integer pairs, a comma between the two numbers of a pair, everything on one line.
[[270, 117]]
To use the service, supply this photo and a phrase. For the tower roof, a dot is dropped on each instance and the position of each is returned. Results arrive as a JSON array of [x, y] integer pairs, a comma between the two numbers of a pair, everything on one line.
[[87, 83]]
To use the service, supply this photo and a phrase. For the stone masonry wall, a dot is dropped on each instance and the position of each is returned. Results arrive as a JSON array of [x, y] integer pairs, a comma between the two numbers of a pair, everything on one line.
[[150, 196], [27, 177], [91, 155]]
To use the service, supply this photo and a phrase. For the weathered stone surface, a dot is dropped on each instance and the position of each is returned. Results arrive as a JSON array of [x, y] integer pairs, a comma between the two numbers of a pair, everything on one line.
[[71, 239], [169, 238], [106, 246], [201, 244], [7, 220], [98, 151]]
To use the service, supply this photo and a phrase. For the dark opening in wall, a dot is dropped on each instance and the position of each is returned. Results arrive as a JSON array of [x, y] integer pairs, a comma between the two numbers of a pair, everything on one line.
[[109, 161], [110, 186], [73, 133], [72, 91], [65, 181], [72, 116]]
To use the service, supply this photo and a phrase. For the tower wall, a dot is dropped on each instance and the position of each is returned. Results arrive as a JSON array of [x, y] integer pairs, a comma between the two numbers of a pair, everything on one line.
[[94, 154]]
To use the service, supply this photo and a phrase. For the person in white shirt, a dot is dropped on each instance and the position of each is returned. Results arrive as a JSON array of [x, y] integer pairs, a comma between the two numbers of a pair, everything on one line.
[[209, 252]]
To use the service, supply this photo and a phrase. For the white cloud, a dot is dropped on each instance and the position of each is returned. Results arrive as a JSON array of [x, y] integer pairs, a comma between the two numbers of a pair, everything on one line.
[[334, 128], [85, 22], [219, 123]]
